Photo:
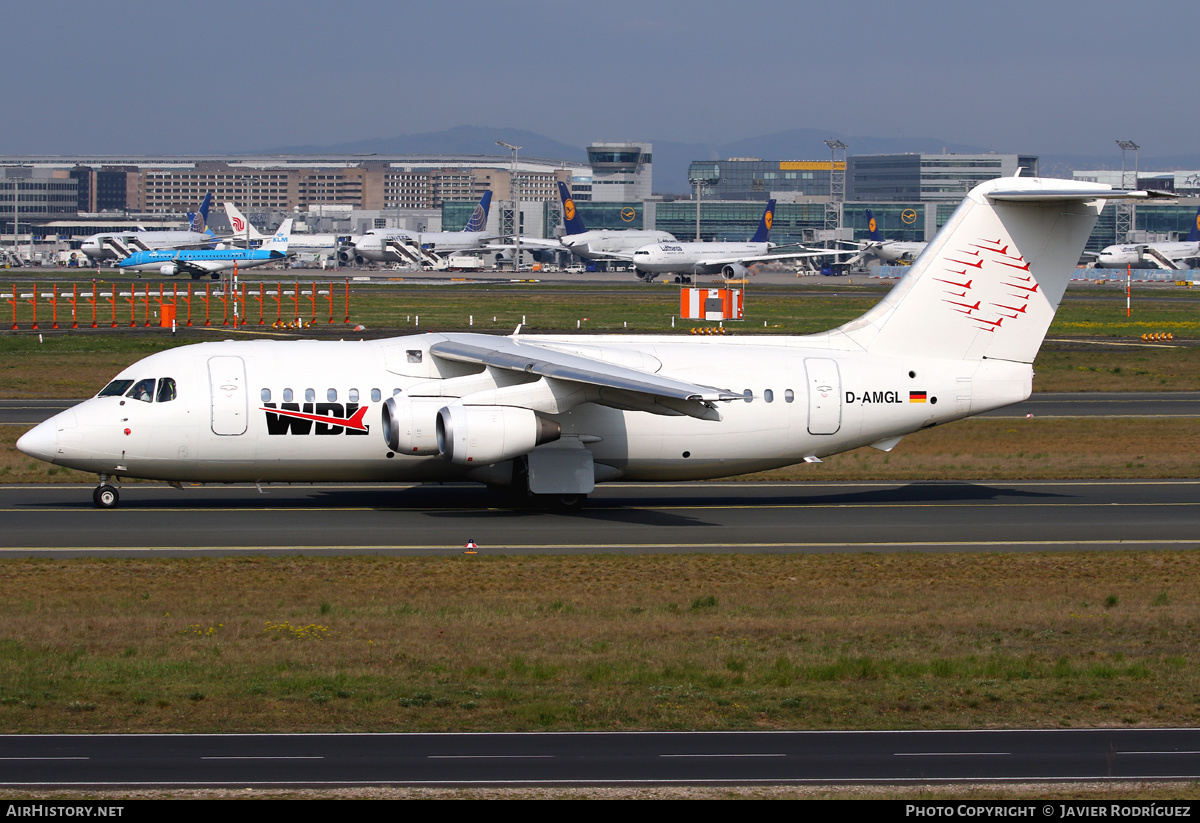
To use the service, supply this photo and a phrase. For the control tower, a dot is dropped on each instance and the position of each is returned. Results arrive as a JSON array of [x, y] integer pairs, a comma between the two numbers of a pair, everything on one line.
[[621, 172]]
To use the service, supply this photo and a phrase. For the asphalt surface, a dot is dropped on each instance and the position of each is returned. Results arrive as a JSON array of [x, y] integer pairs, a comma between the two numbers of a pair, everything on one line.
[[728, 517], [616, 759]]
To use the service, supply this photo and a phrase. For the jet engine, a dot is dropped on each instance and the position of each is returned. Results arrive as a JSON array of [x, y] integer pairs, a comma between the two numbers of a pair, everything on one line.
[[478, 435], [409, 424], [349, 254], [169, 270], [734, 271]]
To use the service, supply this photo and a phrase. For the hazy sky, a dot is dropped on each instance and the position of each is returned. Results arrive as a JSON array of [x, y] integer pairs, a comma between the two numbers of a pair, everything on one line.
[[213, 76]]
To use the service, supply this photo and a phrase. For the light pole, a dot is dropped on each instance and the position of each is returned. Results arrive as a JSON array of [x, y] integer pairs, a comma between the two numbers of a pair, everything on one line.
[[516, 200]]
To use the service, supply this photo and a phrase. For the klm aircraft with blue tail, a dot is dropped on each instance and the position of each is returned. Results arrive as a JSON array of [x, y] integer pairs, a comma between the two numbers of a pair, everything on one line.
[[199, 262]]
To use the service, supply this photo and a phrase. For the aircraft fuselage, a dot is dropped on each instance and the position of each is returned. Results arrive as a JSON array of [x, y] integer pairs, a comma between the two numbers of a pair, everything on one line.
[[311, 411]]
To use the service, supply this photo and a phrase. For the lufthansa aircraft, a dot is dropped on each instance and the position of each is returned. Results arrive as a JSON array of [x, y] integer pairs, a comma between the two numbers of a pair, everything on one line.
[[730, 260], [200, 262], [1182, 254], [595, 244], [886, 251], [554, 415]]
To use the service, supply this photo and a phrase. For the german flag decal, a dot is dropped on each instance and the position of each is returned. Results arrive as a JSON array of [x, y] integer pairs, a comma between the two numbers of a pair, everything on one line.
[[916, 397]]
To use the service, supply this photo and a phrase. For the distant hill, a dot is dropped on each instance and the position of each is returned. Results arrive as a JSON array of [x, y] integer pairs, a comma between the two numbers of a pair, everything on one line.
[[458, 140], [671, 159]]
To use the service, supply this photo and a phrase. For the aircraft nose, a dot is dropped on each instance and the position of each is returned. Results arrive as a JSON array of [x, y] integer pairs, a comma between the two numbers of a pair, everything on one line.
[[41, 441]]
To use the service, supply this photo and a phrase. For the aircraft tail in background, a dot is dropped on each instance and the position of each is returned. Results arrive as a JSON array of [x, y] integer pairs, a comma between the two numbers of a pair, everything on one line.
[[571, 218], [478, 221], [763, 235]]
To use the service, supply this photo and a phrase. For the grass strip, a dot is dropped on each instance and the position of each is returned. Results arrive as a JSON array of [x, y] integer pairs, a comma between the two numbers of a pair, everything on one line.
[[656, 642]]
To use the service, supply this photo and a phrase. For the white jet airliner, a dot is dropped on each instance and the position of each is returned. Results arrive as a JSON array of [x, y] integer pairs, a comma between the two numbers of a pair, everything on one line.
[[554, 415], [730, 260]]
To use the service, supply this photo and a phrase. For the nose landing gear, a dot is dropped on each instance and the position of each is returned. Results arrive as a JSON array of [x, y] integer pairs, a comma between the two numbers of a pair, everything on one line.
[[105, 496]]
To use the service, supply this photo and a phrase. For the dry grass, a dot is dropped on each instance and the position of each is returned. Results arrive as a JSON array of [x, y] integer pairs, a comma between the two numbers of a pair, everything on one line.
[[655, 642]]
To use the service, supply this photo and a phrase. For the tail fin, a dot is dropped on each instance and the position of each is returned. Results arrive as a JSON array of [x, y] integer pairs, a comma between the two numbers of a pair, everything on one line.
[[280, 241], [873, 228], [200, 218], [1194, 234], [763, 235], [571, 218], [242, 227], [988, 284], [478, 221]]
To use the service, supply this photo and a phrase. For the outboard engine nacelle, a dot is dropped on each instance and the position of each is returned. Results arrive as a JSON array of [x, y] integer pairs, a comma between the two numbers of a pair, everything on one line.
[[169, 270], [410, 424], [734, 271], [478, 435]]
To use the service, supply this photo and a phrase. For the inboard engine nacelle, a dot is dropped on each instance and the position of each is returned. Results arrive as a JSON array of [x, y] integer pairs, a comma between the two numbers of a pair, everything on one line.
[[409, 424], [489, 434]]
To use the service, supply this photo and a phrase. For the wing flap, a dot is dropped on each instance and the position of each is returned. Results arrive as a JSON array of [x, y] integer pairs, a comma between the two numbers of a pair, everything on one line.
[[625, 387]]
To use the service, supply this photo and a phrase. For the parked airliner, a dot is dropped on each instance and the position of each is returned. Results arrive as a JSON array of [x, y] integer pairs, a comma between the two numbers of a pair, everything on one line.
[[596, 244], [886, 251], [199, 262], [388, 244], [1184, 254], [119, 245], [730, 260], [246, 236], [555, 414]]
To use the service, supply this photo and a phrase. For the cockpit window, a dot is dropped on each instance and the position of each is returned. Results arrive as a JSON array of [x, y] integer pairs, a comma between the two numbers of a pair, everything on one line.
[[166, 390], [142, 390], [115, 389]]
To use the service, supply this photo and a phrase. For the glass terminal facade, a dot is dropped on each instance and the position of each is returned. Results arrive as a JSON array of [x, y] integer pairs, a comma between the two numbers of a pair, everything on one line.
[[749, 178]]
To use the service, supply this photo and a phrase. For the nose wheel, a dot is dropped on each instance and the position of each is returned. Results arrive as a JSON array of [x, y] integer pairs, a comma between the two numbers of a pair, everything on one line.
[[106, 496]]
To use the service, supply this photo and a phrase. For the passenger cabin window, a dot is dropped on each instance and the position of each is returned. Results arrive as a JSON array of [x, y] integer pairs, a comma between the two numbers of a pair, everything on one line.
[[287, 395], [331, 395], [353, 396], [115, 389], [769, 396], [265, 394], [166, 390], [142, 390], [788, 396], [310, 395], [376, 395], [748, 395]]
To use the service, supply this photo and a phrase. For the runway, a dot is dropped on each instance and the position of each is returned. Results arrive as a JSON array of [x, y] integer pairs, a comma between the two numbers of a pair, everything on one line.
[[738, 517], [627, 758], [1043, 404]]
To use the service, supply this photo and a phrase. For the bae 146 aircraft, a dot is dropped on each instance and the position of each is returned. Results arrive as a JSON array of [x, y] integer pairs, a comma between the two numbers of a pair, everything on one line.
[[1184, 254], [554, 415], [199, 262], [730, 260], [119, 245]]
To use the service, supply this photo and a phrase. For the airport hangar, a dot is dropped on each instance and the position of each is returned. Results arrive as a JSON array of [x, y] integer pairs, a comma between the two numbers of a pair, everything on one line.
[[910, 195]]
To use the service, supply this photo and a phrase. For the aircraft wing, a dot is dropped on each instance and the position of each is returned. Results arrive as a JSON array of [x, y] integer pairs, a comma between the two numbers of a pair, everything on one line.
[[760, 258], [190, 267], [608, 384]]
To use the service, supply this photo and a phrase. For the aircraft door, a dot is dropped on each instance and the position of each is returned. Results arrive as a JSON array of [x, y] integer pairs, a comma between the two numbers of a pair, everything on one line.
[[227, 382], [824, 395]]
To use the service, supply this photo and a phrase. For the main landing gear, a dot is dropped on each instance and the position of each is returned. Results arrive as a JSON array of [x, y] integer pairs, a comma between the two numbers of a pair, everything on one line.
[[105, 496]]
